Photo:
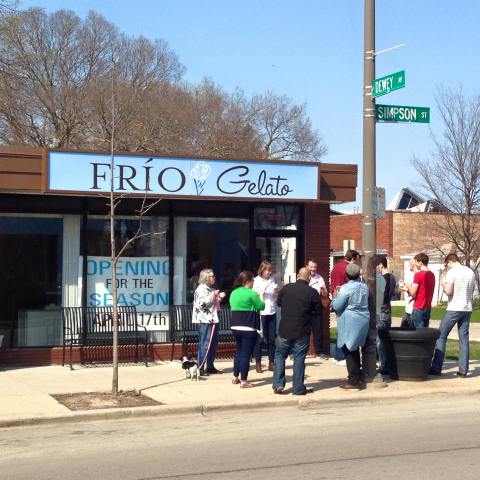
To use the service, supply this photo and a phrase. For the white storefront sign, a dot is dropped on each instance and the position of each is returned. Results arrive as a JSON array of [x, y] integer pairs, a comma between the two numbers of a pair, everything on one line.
[[179, 177]]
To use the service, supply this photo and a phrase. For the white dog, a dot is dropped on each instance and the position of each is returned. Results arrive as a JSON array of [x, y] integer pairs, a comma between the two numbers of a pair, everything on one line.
[[191, 368]]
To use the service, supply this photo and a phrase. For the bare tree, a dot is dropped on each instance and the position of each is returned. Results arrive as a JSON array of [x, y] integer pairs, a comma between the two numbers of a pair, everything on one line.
[[46, 65], [284, 129], [114, 200], [8, 7], [222, 126], [452, 175], [54, 77], [143, 68]]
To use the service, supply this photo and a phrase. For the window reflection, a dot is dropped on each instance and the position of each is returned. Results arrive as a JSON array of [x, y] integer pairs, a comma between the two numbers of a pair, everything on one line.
[[31, 276], [277, 217], [152, 242]]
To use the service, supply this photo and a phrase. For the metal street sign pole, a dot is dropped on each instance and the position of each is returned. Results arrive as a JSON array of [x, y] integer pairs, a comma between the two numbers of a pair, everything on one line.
[[369, 182]]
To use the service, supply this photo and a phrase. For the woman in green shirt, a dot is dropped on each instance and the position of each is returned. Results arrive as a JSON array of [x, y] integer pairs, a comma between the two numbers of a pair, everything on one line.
[[245, 304]]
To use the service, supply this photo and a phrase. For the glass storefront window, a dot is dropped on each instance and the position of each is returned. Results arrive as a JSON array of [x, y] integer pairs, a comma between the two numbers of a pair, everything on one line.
[[152, 242], [277, 217], [221, 244], [31, 280], [142, 270]]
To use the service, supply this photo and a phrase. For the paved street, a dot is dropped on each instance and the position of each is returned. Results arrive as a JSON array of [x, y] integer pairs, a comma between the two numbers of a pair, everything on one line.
[[435, 438]]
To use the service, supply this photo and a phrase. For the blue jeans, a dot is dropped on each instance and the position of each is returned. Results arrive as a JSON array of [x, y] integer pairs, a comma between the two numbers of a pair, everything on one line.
[[204, 333], [384, 323], [420, 317], [298, 348], [269, 334], [245, 344], [462, 320]]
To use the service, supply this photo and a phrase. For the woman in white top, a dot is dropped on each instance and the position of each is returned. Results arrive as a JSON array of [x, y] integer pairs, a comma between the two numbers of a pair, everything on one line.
[[265, 284], [206, 303]]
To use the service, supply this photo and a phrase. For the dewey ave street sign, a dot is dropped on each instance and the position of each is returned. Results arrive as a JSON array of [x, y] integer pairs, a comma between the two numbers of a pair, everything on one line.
[[398, 113], [387, 84]]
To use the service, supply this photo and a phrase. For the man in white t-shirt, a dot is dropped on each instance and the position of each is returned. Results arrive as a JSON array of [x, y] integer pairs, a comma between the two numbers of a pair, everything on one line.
[[459, 286]]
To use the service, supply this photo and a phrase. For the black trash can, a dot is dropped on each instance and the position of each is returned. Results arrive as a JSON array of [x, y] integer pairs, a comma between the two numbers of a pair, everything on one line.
[[409, 351]]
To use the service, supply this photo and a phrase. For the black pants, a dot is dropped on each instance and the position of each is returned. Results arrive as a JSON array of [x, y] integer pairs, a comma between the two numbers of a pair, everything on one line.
[[317, 332], [245, 343], [353, 366]]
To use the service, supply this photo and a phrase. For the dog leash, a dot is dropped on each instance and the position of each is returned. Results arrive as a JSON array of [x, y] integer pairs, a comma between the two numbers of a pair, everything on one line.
[[209, 345]]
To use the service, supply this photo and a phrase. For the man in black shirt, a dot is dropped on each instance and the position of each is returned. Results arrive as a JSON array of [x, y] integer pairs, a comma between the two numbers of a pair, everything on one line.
[[300, 305], [385, 321]]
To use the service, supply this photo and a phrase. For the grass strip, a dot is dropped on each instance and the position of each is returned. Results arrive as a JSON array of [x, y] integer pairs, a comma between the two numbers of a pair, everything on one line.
[[437, 313], [452, 347]]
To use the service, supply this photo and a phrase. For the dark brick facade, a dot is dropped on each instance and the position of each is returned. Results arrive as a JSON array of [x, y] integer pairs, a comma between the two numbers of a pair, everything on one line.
[[317, 246]]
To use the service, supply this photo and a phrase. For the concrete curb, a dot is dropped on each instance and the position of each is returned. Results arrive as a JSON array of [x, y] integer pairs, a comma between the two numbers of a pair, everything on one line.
[[390, 397], [303, 403]]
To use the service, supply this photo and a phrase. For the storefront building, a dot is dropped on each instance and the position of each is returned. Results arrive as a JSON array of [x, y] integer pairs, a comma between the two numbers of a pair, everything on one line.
[[223, 214]]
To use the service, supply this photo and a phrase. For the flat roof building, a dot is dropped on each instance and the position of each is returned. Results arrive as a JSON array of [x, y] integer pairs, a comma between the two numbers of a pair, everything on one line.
[[225, 214]]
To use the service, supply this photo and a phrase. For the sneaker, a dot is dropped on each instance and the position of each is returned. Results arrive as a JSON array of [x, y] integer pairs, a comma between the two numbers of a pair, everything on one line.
[[214, 371], [461, 375], [204, 373], [305, 392]]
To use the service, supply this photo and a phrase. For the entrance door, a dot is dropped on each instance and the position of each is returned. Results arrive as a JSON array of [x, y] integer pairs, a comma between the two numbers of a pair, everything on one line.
[[281, 252], [217, 243]]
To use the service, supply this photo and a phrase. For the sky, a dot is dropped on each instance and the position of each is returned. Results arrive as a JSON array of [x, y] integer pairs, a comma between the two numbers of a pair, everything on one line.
[[312, 51]]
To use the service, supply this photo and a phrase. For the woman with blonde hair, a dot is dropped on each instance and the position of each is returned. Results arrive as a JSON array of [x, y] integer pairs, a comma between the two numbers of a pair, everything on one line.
[[265, 284], [206, 303]]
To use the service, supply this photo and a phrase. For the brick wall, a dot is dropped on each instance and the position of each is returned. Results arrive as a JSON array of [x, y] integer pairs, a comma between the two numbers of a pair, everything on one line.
[[415, 232], [349, 227], [317, 236], [317, 246], [53, 356]]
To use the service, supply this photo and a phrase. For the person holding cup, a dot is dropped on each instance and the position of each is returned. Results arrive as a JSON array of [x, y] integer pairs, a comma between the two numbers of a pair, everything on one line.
[[264, 284], [206, 303]]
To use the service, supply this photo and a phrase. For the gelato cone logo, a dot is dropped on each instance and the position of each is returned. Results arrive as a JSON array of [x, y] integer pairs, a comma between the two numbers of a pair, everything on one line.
[[199, 173]]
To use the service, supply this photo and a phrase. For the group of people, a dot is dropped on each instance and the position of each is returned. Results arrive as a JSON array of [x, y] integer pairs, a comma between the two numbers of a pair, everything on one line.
[[253, 303]]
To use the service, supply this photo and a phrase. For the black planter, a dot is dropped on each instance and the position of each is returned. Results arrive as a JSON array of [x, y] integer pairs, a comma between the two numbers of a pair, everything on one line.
[[409, 351]]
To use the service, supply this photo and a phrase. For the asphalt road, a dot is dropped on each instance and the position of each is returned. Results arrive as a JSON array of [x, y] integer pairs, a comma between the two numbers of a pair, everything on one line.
[[429, 438]]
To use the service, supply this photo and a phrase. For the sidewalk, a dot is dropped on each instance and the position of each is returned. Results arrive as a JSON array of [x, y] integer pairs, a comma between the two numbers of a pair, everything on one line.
[[25, 392]]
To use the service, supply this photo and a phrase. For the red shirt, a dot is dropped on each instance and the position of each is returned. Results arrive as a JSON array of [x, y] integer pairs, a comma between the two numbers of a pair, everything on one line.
[[338, 276], [425, 279]]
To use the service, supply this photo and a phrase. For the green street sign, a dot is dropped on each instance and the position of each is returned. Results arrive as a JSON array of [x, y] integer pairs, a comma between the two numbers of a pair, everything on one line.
[[387, 84], [399, 113]]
